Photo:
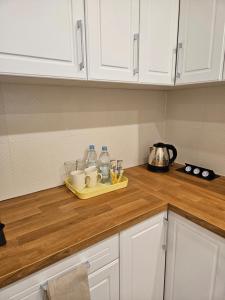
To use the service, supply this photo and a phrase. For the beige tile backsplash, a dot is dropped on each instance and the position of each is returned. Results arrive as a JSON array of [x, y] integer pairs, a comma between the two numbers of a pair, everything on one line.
[[196, 125], [43, 126]]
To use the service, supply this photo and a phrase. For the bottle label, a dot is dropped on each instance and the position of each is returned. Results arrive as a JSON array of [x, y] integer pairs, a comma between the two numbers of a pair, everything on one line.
[[105, 172], [91, 163]]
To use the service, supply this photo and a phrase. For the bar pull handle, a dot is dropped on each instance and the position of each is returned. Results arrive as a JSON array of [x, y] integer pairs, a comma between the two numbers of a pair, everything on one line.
[[179, 49], [80, 29], [136, 54], [173, 66], [164, 243]]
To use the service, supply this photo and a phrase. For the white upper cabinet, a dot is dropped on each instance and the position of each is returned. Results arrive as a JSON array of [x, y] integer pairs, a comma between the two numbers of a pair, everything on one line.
[[112, 39], [195, 265], [127, 41], [142, 260], [200, 42], [158, 40], [42, 38]]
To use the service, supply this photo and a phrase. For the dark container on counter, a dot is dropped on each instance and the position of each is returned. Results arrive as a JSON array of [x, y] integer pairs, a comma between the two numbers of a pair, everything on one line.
[[2, 235]]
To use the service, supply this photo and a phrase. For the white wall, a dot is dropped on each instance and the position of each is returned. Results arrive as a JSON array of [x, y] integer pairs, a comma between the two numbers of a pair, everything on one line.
[[43, 126], [196, 125]]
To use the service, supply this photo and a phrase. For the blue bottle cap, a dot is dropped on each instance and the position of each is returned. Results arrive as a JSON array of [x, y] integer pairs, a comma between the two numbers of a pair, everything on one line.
[[91, 147]]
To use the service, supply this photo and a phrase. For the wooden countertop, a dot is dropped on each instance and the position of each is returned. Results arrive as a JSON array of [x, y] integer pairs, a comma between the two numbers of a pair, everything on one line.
[[44, 227]]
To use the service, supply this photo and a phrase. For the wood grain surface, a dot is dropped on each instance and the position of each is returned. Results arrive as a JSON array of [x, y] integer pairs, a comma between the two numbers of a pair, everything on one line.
[[44, 227]]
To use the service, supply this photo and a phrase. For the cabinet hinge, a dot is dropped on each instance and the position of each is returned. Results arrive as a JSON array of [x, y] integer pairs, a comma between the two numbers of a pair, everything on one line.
[[165, 225]]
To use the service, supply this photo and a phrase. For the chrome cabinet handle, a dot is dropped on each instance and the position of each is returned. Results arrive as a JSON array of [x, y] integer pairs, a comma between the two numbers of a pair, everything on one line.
[[178, 71], [136, 53], [173, 75], [80, 28], [164, 244]]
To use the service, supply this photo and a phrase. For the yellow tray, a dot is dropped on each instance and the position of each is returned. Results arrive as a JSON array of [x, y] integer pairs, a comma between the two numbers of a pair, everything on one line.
[[99, 189]]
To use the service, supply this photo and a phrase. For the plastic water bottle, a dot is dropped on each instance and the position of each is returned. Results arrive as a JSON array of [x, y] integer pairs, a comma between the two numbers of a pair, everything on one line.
[[91, 156], [104, 164]]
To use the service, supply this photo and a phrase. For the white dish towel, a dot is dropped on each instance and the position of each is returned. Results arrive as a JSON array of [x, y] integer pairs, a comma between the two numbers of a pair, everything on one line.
[[72, 285]]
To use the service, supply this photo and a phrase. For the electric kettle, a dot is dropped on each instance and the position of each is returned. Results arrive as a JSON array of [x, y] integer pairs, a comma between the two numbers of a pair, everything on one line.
[[159, 157]]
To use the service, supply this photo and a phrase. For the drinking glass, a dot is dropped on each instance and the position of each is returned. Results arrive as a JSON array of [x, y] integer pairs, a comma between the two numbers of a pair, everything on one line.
[[80, 164], [70, 166]]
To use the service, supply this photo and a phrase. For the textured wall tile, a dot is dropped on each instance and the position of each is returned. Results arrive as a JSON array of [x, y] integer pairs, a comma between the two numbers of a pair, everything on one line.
[[196, 125], [47, 125]]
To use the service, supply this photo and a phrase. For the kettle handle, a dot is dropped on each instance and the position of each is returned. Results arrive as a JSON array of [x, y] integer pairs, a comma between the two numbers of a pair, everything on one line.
[[174, 150]]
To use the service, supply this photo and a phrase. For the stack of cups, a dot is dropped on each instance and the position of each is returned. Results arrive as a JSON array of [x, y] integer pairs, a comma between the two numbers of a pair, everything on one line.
[[80, 176], [89, 177]]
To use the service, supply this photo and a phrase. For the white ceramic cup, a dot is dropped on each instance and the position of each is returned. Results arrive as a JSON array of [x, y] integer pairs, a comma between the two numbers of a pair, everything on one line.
[[90, 170], [92, 176], [78, 179]]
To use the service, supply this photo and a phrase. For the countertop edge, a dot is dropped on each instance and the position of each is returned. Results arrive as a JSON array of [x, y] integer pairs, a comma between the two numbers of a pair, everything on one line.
[[197, 220]]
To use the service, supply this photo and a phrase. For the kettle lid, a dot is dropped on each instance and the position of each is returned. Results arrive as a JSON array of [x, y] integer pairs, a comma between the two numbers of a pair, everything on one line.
[[159, 145]]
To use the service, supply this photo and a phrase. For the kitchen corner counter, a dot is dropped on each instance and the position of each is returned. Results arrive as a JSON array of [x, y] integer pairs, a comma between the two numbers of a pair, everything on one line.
[[44, 227]]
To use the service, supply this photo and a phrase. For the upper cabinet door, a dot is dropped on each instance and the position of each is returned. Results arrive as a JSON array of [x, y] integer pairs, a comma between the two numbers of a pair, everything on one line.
[[112, 39], [42, 38], [200, 42], [158, 40]]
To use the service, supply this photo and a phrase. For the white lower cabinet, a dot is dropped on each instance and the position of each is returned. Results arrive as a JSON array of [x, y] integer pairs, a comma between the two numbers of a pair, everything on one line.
[[103, 274], [195, 268], [104, 283], [142, 260]]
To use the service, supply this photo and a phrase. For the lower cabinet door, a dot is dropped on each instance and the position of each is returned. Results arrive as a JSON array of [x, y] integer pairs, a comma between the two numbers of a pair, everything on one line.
[[35, 293], [103, 274], [142, 260], [21, 292], [104, 283], [195, 264]]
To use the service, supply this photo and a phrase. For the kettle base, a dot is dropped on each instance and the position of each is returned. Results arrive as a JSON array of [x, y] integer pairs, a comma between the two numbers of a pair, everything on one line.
[[157, 169]]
